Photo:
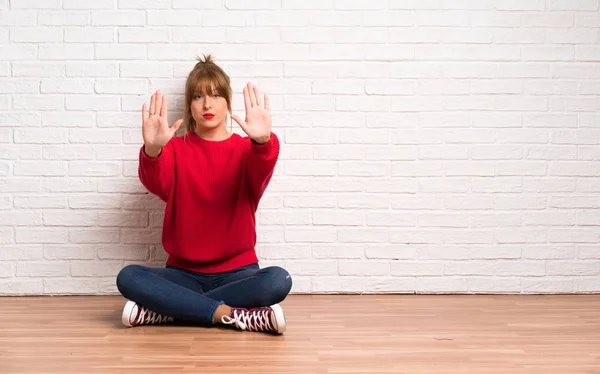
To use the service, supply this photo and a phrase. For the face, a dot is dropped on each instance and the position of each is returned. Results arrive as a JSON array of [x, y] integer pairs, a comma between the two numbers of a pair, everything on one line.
[[209, 111]]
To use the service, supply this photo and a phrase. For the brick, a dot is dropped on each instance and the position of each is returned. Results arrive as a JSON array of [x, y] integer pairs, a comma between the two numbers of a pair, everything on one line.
[[120, 185], [95, 201], [284, 251], [495, 219], [120, 51], [556, 285], [41, 235], [42, 268], [551, 152], [36, 35], [70, 218], [21, 252], [58, 51], [332, 251], [520, 268], [144, 4], [91, 102], [314, 267], [494, 285], [69, 252], [573, 268], [94, 136], [338, 217], [20, 86], [123, 219], [299, 234], [20, 218], [95, 268], [68, 286], [21, 286], [363, 268], [140, 236], [40, 201], [445, 284], [94, 235], [94, 168], [574, 235], [18, 18], [130, 252], [443, 152], [548, 252], [479, 267], [46, 102], [362, 235], [40, 168], [580, 5]]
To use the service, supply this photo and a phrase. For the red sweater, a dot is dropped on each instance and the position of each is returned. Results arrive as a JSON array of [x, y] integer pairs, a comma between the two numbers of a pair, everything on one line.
[[212, 190]]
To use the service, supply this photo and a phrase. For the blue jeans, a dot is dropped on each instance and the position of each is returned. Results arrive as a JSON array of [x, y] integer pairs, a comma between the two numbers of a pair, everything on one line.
[[194, 297]]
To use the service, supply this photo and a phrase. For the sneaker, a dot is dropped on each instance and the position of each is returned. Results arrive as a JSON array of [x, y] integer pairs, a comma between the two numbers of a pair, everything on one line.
[[266, 319], [135, 315]]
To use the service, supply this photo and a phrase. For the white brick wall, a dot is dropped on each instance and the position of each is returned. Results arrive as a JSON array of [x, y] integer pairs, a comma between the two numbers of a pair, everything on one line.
[[430, 146]]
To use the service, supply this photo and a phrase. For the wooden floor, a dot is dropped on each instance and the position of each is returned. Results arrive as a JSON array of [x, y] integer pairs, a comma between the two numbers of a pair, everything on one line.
[[326, 334]]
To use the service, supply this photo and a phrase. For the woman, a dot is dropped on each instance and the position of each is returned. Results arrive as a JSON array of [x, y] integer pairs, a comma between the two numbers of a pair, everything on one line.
[[212, 181]]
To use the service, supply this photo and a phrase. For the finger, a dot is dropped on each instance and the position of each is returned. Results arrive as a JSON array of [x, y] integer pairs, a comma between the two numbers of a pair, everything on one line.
[[247, 102], [163, 107], [145, 114], [159, 101], [252, 96], [153, 104], [176, 125], [258, 99], [237, 119], [267, 106]]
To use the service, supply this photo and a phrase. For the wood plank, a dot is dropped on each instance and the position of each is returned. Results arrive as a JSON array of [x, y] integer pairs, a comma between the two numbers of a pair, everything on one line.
[[326, 334]]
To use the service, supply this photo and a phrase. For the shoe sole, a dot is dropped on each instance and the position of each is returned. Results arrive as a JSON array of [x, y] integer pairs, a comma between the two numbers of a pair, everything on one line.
[[127, 310], [279, 318]]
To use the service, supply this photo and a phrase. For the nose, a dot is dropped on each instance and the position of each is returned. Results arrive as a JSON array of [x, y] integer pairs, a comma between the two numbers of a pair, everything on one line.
[[207, 102]]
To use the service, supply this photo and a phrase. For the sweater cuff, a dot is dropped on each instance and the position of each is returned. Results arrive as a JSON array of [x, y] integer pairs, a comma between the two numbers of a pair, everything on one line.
[[145, 158], [266, 147]]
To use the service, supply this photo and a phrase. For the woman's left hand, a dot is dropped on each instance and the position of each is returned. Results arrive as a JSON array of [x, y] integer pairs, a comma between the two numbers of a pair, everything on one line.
[[258, 116]]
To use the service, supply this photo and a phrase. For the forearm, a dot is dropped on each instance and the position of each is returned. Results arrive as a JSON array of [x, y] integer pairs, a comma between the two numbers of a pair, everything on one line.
[[262, 158], [156, 170]]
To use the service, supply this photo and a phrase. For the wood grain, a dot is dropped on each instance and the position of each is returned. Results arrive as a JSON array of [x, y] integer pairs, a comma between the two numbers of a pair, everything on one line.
[[326, 334]]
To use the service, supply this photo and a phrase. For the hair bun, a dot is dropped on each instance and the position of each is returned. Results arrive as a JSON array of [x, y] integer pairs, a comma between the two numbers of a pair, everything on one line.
[[208, 59]]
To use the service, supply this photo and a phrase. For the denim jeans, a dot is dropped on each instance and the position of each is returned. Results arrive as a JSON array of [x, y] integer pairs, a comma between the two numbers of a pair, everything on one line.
[[194, 297]]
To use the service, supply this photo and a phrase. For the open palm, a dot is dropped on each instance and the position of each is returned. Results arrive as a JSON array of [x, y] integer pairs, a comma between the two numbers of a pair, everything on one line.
[[155, 127], [257, 124]]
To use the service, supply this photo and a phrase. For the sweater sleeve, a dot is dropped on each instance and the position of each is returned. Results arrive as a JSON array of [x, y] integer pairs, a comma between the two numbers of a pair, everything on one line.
[[261, 160], [157, 173]]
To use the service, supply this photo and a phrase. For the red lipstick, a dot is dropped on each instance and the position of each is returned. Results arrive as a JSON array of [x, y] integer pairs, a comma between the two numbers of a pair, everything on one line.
[[208, 115]]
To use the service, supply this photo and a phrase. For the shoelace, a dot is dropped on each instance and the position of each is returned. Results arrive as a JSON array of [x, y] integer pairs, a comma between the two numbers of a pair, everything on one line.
[[149, 317], [256, 320]]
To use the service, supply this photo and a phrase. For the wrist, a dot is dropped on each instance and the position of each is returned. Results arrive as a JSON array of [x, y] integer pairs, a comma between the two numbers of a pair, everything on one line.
[[152, 150], [262, 139]]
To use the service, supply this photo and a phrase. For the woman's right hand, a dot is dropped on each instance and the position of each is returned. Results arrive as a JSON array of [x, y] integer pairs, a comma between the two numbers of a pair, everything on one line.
[[155, 126]]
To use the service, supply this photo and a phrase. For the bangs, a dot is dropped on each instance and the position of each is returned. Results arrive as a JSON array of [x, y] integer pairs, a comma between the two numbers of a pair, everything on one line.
[[211, 83]]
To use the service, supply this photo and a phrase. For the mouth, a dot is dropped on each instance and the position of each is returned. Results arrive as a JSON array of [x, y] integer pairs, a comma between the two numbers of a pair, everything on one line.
[[208, 116]]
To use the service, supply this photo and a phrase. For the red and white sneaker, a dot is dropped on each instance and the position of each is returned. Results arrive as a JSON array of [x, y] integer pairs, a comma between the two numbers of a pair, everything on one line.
[[265, 319], [135, 315]]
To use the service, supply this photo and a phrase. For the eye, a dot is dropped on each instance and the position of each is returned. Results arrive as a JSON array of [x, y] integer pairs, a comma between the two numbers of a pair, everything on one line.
[[196, 97]]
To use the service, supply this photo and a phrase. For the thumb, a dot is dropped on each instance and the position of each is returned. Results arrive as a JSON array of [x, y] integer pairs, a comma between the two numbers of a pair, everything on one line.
[[238, 120], [176, 125]]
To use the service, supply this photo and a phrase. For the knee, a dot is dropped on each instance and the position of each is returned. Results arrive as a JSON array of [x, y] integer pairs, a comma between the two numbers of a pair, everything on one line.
[[280, 282], [127, 277]]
